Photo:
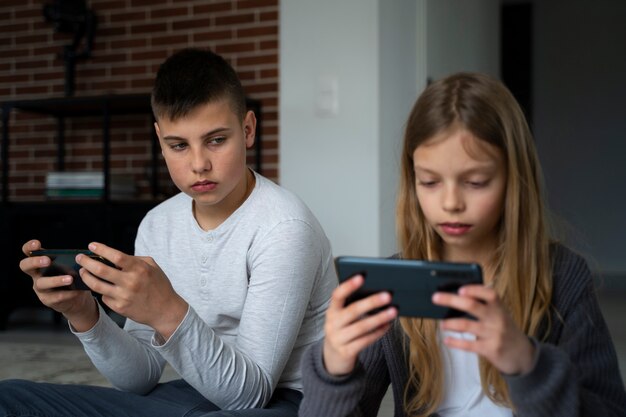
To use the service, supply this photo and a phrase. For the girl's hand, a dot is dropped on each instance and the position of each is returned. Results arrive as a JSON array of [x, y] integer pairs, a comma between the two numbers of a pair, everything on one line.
[[498, 339], [139, 289], [349, 329], [70, 303]]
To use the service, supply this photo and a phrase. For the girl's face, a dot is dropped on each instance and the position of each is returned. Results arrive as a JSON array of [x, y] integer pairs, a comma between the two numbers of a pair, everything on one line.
[[460, 182]]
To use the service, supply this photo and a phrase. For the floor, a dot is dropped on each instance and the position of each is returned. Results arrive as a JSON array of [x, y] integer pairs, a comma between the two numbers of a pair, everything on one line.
[[34, 348]]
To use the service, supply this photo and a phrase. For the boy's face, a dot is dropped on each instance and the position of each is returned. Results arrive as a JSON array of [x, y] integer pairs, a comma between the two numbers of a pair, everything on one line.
[[205, 153]]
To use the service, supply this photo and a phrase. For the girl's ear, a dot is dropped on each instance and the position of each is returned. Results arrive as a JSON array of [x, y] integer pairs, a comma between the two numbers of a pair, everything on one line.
[[249, 128]]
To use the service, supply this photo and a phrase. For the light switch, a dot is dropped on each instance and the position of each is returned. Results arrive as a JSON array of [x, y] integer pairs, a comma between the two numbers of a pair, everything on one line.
[[327, 101]]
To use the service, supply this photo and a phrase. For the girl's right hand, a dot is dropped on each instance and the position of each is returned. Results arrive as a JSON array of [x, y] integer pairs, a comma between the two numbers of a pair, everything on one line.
[[68, 303], [349, 329]]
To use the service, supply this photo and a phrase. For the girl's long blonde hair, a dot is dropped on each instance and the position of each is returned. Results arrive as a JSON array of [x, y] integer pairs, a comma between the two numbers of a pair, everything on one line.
[[523, 273]]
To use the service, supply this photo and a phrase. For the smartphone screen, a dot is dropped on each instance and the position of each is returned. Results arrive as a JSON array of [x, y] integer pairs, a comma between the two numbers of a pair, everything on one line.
[[411, 283], [63, 262]]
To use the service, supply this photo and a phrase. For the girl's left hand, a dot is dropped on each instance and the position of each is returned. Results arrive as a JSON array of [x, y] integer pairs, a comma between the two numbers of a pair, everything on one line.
[[498, 339]]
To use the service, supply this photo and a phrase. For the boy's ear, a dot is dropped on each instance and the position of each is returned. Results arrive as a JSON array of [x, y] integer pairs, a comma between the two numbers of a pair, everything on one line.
[[156, 129], [158, 132], [249, 128]]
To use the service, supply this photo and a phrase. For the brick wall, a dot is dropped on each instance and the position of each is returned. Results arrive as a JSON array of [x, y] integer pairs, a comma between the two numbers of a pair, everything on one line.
[[132, 39]]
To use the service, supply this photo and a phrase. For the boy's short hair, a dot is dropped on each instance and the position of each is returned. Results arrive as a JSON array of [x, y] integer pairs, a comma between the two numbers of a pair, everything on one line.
[[192, 77]]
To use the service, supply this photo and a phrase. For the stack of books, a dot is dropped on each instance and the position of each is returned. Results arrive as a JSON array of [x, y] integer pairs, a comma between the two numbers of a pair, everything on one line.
[[66, 185], [74, 185]]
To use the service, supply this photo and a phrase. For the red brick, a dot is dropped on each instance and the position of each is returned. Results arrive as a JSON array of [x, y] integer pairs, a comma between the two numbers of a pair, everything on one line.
[[269, 159], [134, 70], [148, 28], [161, 41], [45, 153], [269, 73], [234, 19], [142, 84], [108, 5], [108, 58], [31, 64], [255, 4], [110, 86], [46, 76], [246, 75], [271, 44], [105, 32], [125, 17], [149, 55], [258, 60], [135, 3], [212, 35], [254, 32], [135, 42], [31, 90], [169, 12], [261, 88], [271, 16], [14, 53], [235, 47], [14, 78], [46, 50], [213, 7], [15, 27], [27, 14], [191, 24]]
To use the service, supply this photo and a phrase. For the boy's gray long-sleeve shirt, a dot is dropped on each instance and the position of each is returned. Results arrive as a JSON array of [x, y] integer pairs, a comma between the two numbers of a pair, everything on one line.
[[258, 287], [576, 373]]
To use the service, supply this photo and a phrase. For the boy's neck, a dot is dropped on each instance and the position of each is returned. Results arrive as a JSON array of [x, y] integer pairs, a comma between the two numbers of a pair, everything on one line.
[[210, 217]]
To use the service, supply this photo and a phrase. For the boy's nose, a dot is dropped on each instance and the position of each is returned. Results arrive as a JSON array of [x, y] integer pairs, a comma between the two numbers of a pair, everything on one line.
[[200, 162]]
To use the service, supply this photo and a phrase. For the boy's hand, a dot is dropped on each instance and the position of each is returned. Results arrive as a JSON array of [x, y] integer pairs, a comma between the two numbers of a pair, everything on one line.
[[78, 307], [138, 290], [498, 339]]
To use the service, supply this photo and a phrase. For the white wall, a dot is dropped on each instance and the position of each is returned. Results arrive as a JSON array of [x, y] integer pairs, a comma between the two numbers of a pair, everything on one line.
[[580, 122], [463, 35], [331, 161], [372, 56]]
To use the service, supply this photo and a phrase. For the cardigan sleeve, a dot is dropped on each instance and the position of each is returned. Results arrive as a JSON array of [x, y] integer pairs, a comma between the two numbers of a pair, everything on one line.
[[576, 373], [358, 394]]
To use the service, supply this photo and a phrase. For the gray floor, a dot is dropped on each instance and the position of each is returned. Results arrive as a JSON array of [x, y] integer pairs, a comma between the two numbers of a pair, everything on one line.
[[34, 348]]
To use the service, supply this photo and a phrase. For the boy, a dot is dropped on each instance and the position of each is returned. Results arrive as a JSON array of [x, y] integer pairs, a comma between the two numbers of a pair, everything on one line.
[[229, 282]]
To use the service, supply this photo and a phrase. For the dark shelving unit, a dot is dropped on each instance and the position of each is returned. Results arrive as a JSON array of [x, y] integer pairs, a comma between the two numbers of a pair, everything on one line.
[[74, 223]]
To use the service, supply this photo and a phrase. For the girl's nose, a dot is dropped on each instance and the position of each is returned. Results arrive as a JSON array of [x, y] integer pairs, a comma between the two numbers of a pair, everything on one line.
[[453, 199]]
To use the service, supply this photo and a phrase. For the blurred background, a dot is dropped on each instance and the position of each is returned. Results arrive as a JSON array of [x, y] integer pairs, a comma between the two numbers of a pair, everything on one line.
[[332, 82]]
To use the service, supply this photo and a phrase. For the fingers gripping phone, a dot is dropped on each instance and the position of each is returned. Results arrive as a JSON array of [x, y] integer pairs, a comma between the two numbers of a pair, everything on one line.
[[411, 283], [63, 263]]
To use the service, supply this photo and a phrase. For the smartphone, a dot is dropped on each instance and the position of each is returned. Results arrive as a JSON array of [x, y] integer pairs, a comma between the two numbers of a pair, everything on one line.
[[411, 283], [63, 263]]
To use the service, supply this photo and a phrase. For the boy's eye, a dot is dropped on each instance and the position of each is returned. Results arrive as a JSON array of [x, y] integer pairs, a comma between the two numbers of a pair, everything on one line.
[[217, 141], [178, 146]]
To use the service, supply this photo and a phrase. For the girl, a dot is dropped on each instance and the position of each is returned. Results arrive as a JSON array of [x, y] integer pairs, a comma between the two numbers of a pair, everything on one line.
[[470, 192]]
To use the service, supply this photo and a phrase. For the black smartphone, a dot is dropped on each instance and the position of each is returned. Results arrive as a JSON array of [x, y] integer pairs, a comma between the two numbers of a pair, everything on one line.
[[411, 283], [63, 262]]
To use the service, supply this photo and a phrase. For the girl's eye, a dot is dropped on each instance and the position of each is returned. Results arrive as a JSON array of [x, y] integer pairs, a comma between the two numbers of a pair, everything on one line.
[[477, 184], [427, 183]]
